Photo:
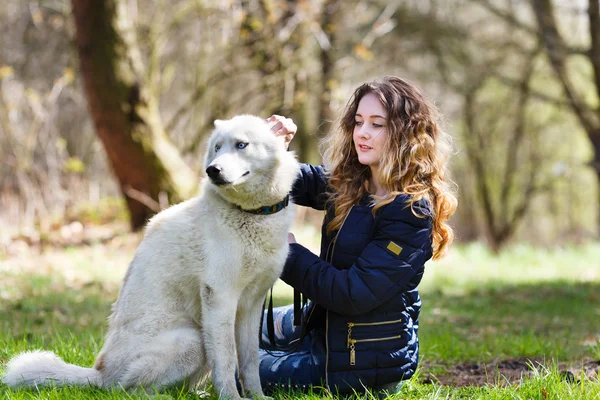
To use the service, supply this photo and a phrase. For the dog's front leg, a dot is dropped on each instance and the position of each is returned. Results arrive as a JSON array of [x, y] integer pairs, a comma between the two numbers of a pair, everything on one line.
[[218, 318], [250, 309], [248, 321]]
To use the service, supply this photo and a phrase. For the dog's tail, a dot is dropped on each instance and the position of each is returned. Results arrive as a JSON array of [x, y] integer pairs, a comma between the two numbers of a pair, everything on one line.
[[46, 368]]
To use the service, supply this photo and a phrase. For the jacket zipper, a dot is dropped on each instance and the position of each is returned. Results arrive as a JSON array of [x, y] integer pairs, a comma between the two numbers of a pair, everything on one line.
[[333, 242], [329, 248], [352, 342], [327, 349]]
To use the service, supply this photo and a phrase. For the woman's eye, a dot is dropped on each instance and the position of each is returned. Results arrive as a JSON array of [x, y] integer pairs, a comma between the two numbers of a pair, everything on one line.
[[377, 126], [241, 145], [217, 147], [358, 123]]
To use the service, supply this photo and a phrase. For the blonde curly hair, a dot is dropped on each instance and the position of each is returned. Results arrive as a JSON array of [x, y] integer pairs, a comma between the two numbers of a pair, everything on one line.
[[414, 159]]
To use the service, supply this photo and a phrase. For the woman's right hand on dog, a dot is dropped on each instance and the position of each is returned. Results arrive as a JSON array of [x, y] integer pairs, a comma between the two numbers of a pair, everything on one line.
[[283, 127]]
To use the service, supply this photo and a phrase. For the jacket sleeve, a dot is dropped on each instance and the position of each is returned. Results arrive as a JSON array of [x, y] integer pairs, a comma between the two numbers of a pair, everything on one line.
[[397, 252], [310, 187]]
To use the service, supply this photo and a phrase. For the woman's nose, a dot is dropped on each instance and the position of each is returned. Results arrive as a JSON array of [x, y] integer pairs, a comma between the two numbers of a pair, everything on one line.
[[364, 132]]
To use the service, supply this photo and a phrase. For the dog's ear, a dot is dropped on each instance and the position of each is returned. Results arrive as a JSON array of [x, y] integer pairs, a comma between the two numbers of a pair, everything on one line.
[[219, 123]]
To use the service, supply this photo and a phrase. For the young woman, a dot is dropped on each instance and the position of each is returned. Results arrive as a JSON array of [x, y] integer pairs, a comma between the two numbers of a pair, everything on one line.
[[387, 202]]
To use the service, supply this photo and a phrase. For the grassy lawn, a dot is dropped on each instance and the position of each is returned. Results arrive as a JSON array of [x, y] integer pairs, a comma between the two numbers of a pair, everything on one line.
[[521, 325]]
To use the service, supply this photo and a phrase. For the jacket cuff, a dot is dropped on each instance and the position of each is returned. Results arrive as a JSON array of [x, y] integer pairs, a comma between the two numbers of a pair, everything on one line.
[[290, 269]]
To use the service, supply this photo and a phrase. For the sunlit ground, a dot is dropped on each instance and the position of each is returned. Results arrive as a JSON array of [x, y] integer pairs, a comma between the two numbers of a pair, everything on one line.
[[527, 316]]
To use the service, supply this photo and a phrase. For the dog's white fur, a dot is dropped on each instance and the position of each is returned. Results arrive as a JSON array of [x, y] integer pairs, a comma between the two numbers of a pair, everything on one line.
[[192, 297]]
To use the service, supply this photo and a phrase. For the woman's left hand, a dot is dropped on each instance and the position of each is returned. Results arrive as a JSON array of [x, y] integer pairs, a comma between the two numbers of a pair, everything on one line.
[[291, 238]]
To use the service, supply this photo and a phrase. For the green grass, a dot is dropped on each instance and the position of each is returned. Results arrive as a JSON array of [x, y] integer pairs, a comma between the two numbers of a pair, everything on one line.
[[538, 310], [523, 303]]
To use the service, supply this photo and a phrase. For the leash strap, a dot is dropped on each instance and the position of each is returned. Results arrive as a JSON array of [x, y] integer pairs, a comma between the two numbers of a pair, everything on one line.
[[297, 308], [271, 322], [303, 323]]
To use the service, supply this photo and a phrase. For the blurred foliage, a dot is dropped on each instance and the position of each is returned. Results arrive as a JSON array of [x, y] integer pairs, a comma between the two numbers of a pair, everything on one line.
[[74, 165], [214, 59], [109, 209]]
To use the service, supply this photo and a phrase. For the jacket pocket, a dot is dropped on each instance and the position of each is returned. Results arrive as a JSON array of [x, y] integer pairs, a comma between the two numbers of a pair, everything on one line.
[[363, 337]]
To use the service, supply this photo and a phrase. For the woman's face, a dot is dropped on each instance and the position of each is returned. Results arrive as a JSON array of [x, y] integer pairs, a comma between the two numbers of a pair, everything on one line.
[[370, 130]]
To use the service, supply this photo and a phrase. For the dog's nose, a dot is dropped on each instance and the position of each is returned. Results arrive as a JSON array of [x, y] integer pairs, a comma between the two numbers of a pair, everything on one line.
[[213, 171]]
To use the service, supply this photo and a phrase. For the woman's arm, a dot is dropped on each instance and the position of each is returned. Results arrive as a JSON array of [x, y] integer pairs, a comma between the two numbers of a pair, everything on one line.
[[310, 187], [383, 269]]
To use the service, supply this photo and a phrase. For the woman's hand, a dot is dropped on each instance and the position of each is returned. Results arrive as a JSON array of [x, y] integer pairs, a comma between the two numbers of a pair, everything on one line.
[[282, 127], [291, 238]]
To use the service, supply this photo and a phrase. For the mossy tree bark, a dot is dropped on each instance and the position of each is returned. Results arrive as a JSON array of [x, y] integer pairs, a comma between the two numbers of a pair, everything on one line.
[[125, 110]]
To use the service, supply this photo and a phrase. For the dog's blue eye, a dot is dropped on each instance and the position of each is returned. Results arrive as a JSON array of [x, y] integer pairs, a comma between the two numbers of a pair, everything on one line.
[[217, 147], [241, 145]]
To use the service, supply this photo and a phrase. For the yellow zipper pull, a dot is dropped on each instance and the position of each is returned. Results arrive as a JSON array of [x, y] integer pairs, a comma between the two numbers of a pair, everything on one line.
[[352, 352], [350, 325]]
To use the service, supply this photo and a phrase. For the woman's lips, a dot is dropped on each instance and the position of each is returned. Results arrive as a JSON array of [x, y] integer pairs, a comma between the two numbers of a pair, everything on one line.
[[364, 147]]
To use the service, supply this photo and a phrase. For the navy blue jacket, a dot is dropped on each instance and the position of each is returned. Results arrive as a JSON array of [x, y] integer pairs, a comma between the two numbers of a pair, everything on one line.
[[364, 285]]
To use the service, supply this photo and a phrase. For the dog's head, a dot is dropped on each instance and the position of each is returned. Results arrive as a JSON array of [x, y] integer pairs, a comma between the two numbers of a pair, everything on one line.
[[245, 157]]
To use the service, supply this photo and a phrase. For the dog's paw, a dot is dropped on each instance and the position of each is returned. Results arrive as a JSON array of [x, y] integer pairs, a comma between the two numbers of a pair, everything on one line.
[[202, 394]]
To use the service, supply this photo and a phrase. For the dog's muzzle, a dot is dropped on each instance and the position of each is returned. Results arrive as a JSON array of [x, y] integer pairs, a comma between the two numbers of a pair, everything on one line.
[[214, 174]]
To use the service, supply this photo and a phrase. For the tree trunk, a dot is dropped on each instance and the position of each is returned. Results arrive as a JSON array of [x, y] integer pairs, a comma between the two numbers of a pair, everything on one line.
[[595, 164], [330, 20], [124, 111], [558, 52]]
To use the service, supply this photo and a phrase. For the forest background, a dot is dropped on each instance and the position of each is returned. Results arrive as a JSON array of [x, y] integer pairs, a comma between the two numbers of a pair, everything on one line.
[[105, 107], [517, 82]]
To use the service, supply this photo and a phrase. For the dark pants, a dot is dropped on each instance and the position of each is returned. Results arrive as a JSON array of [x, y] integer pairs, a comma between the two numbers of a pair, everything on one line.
[[303, 368]]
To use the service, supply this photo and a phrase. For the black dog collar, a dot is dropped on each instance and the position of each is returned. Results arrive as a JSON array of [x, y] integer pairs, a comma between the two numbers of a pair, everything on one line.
[[266, 210]]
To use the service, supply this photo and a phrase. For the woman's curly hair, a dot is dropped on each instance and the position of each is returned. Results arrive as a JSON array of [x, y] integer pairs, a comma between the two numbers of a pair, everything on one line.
[[414, 158]]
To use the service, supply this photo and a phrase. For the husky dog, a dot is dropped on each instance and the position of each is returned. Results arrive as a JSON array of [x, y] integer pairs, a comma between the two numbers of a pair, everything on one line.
[[192, 298]]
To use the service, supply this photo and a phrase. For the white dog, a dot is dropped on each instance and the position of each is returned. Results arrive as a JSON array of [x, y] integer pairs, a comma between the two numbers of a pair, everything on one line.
[[192, 297]]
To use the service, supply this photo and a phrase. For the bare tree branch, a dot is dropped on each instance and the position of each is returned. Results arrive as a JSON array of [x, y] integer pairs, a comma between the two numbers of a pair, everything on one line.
[[196, 95], [475, 154], [544, 12], [519, 130], [513, 20], [594, 54], [532, 92], [142, 198]]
